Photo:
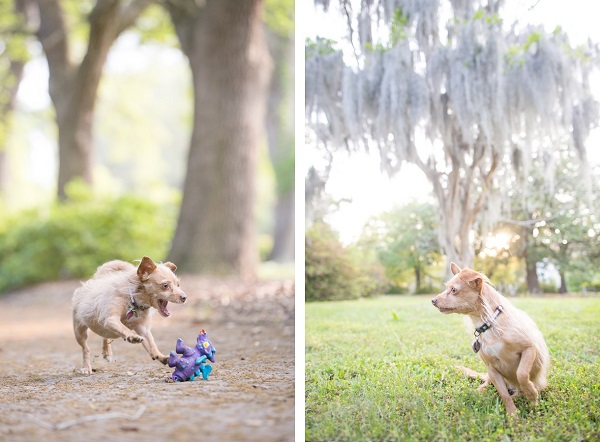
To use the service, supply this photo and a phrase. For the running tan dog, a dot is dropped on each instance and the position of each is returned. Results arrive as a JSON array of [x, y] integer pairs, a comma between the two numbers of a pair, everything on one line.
[[507, 339], [116, 303]]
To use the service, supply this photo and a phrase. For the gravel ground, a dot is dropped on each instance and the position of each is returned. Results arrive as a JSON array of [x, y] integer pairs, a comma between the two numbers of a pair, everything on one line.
[[249, 395]]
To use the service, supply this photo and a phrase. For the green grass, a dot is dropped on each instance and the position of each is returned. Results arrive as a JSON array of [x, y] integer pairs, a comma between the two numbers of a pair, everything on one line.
[[383, 369]]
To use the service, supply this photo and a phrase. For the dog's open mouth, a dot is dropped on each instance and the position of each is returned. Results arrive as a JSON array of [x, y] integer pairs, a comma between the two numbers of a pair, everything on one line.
[[162, 308]]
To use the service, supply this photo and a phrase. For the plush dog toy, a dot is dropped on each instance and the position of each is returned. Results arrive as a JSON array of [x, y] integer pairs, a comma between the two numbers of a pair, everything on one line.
[[192, 362]]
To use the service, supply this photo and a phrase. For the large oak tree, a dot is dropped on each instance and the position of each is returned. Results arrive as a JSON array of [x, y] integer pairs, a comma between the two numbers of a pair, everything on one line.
[[73, 82], [224, 42], [467, 100]]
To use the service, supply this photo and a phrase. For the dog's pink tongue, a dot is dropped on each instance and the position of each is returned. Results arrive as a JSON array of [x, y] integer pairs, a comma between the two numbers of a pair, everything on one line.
[[163, 308]]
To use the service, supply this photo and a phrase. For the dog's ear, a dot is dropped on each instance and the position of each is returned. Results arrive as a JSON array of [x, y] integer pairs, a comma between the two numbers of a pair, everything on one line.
[[471, 277], [454, 269], [145, 268], [171, 266]]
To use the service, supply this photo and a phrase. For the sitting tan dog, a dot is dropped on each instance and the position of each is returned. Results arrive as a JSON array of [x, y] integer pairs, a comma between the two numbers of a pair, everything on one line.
[[115, 303], [508, 341]]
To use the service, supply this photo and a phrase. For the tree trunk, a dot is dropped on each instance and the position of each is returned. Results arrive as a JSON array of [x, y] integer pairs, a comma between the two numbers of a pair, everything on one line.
[[12, 80], [280, 131], [417, 279], [563, 283], [216, 230], [526, 253], [9, 92], [533, 283], [284, 232], [460, 193], [74, 87]]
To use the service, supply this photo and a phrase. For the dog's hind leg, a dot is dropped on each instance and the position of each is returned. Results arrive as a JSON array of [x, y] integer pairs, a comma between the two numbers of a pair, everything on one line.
[[81, 334], [107, 350]]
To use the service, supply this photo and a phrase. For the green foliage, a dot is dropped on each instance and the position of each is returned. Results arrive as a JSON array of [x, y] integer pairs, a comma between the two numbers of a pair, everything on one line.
[[13, 35], [398, 27], [490, 19], [548, 287], [155, 26], [507, 272], [335, 272], [515, 54], [76, 15], [73, 238], [383, 369], [398, 32], [284, 168], [568, 231], [279, 17], [14, 53], [319, 46], [406, 242], [534, 38]]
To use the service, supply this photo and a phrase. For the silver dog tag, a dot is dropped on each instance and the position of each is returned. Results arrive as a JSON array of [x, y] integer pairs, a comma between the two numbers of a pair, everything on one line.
[[476, 345]]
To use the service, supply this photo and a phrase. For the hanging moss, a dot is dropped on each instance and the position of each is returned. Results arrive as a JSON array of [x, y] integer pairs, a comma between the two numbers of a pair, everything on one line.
[[480, 91]]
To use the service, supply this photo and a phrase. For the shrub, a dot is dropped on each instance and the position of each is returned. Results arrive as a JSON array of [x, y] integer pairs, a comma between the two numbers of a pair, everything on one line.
[[72, 238], [333, 272], [548, 287]]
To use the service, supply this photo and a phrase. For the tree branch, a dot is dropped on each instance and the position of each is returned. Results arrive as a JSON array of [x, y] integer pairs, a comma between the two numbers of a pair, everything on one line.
[[53, 37], [103, 32], [129, 14], [184, 14]]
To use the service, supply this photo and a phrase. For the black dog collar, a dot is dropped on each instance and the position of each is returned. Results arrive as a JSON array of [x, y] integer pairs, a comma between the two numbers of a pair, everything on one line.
[[134, 306], [486, 325]]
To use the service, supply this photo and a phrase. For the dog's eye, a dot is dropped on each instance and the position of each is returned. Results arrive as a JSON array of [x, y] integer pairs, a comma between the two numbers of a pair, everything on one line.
[[165, 285], [453, 290]]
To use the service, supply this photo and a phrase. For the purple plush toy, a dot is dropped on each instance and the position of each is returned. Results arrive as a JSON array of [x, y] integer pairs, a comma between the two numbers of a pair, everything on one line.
[[192, 362]]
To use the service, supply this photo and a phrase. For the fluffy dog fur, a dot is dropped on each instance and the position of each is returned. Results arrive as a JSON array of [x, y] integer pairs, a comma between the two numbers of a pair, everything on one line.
[[103, 304], [513, 349]]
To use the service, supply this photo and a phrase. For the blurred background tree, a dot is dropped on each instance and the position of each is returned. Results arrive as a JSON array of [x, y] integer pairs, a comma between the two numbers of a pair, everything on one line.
[[132, 101], [280, 28], [407, 246], [15, 19], [334, 271], [231, 71], [73, 84]]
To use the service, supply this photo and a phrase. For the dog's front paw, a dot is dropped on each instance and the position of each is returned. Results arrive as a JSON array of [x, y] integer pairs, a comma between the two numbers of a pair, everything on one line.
[[161, 358], [134, 339]]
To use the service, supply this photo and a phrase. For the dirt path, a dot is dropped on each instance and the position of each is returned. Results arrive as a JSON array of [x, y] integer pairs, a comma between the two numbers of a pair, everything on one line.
[[248, 396]]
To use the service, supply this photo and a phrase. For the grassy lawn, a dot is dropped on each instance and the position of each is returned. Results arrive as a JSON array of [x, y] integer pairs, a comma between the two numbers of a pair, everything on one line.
[[383, 369]]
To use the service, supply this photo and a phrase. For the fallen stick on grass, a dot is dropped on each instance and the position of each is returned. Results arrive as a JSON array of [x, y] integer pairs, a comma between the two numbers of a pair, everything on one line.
[[91, 418]]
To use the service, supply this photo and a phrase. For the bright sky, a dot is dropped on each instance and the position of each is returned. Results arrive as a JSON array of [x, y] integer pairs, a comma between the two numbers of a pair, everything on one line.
[[358, 177]]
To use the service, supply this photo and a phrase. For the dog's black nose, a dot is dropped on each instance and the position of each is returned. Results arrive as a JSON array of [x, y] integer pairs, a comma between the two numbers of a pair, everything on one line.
[[434, 301], [183, 298]]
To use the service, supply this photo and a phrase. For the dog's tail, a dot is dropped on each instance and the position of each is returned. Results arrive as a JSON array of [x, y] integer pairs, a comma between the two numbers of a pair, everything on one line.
[[473, 374]]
